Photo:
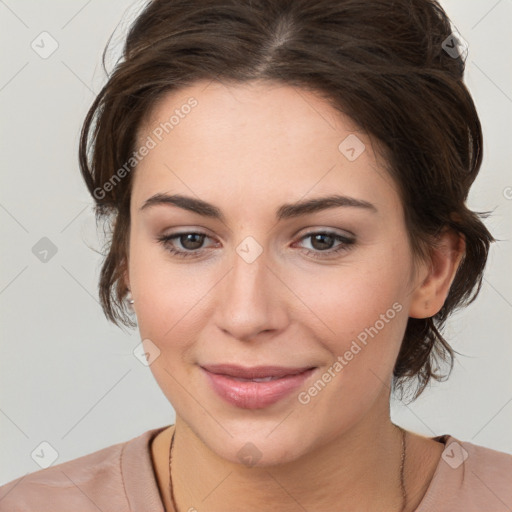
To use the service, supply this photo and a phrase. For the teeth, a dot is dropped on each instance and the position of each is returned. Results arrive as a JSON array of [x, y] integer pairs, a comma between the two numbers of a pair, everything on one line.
[[263, 379]]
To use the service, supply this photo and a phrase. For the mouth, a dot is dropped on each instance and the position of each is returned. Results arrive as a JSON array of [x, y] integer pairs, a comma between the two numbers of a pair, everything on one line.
[[255, 387]]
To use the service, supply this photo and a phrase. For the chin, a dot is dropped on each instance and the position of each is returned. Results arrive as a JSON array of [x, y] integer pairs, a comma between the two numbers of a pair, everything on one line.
[[261, 452], [258, 443]]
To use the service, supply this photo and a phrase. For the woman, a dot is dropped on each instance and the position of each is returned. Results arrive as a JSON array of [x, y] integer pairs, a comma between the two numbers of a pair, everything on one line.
[[286, 182]]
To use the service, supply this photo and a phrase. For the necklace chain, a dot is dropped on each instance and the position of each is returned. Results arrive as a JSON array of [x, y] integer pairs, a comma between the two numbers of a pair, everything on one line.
[[402, 473]]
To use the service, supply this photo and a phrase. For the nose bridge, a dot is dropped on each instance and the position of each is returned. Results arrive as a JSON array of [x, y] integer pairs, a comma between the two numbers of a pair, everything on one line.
[[248, 301], [248, 282]]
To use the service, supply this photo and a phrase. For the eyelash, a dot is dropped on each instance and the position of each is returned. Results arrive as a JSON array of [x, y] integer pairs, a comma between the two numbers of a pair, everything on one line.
[[343, 247]]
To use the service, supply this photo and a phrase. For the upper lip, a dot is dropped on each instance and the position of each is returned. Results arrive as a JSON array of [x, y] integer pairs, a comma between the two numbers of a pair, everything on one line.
[[254, 372]]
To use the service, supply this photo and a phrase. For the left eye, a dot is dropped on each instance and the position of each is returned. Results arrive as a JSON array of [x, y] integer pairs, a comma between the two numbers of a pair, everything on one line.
[[321, 241]]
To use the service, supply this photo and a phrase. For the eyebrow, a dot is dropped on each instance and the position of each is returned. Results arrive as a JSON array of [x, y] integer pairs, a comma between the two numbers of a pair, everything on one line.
[[286, 211]]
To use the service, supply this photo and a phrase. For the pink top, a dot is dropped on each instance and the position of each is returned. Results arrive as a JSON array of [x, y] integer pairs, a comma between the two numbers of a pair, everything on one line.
[[119, 478]]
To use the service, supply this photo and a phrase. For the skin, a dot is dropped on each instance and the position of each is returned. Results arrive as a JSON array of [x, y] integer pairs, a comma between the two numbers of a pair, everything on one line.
[[248, 149]]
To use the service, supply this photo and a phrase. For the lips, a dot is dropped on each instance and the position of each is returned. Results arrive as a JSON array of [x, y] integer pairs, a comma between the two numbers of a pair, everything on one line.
[[255, 372], [255, 387]]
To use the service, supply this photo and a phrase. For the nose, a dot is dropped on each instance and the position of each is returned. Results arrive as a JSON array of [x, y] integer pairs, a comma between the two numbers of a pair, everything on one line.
[[251, 300]]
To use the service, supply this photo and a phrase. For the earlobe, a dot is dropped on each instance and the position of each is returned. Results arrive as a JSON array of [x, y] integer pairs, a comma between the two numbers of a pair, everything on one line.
[[435, 281], [128, 298]]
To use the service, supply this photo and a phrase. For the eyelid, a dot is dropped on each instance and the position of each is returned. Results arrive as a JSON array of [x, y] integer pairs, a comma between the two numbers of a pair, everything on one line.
[[331, 231]]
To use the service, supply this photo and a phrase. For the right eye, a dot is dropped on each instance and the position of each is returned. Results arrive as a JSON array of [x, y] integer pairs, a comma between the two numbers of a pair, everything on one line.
[[190, 241]]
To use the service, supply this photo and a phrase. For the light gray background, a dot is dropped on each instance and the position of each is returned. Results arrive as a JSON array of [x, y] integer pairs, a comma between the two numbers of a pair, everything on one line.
[[67, 376]]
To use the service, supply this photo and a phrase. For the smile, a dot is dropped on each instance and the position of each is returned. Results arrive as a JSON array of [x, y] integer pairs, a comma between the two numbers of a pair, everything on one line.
[[257, 387]]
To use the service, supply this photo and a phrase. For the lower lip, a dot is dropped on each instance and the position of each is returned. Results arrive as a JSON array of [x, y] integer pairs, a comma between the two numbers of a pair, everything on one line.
[[255, 395]]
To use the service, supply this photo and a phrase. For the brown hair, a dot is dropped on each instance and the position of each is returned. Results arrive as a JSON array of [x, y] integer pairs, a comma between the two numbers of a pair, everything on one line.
[[383, 63]]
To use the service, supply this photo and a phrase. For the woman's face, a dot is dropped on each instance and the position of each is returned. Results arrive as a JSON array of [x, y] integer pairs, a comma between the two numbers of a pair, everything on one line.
[[260, 285]]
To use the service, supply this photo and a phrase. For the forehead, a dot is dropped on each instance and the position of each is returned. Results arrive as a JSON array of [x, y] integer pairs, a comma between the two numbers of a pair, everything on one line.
[[271, 112], [259, 139]]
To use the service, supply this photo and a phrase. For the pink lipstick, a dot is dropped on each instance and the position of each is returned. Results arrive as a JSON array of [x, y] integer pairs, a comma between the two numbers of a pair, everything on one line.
[[255, 387]]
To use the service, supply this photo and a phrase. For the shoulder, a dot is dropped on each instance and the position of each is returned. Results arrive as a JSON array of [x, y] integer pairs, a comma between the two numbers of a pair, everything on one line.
[[488, 472], [470, 478], [89, 483]]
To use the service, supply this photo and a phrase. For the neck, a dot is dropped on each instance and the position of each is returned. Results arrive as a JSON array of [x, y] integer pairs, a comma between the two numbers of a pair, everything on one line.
[[359, 470]]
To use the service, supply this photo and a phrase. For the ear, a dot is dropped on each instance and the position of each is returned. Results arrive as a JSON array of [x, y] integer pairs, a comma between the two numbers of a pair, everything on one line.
[[436, 277]]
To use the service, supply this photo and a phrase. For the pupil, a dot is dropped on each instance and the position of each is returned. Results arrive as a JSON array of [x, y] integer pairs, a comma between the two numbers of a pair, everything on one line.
[[321, 237], [190, 238]]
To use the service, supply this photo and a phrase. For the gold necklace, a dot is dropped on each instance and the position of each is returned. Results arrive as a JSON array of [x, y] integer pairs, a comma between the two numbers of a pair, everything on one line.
[[402, 475]]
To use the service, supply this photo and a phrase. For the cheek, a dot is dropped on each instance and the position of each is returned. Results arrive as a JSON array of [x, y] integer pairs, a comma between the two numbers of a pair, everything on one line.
[[170, 308], [154, 278], [171, 301], [360, 316], [346, 300]]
